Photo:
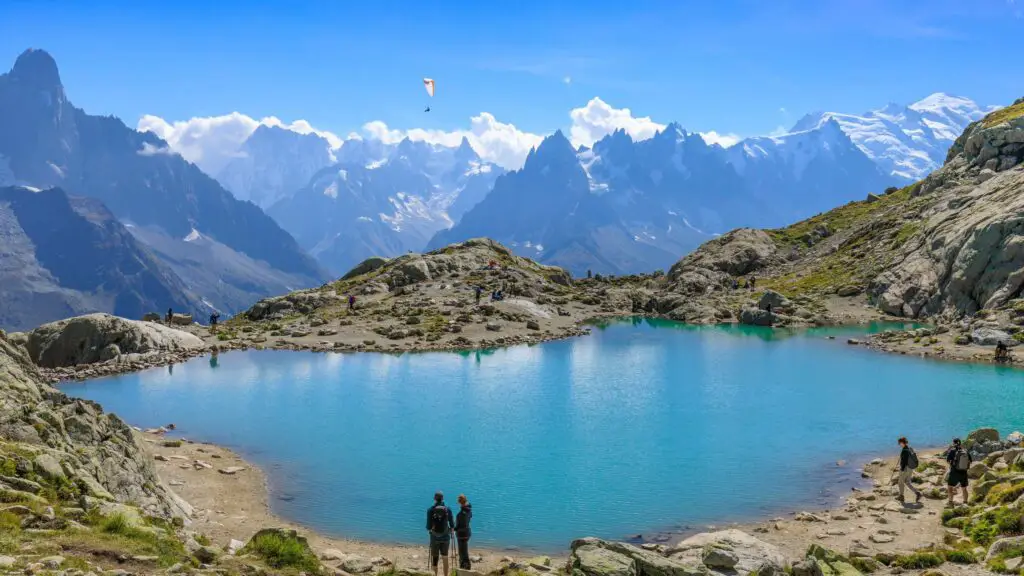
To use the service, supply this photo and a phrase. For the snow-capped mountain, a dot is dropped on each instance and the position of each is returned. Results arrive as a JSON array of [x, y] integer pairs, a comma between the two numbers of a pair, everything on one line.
[[628, 206], [46, 142], [383, 200], [274, 162], [907, 142]]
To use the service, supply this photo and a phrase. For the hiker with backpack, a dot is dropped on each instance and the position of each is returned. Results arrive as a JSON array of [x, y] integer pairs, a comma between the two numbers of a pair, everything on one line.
[[960, 461], [463, 532], [908, 463], [440, 524]]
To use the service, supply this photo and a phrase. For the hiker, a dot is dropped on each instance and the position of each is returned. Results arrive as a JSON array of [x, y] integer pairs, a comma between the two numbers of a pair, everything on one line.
[[463, 532], [1002, 352], [440, 525], [351, 301], [908, 463], [479, 292], [960, 461], [170, 314], [213, 319], [735, 284], [751, 283]]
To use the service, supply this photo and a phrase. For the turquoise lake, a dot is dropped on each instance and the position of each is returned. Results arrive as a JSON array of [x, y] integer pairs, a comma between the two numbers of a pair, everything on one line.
[[643, 427]]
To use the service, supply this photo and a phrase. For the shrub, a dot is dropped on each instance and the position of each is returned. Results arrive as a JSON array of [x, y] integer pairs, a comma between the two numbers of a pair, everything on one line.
[[961, 557], [116, 524], [280, 549], [1004, 494], [991, 524], [919, 560]]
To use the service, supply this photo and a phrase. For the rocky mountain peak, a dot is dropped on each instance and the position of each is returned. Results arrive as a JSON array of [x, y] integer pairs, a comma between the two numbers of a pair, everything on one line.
[[37, 69], [553, 149]]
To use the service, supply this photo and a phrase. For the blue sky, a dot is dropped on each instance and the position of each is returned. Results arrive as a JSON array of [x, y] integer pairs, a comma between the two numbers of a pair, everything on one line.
[[726, 65]]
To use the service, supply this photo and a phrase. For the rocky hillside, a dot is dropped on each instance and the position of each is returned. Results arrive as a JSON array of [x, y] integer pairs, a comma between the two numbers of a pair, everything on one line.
[[947, 246]]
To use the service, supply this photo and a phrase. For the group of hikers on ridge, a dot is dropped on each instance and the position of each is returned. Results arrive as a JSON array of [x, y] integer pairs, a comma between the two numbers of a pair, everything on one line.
[[441, 524], [956, 455]]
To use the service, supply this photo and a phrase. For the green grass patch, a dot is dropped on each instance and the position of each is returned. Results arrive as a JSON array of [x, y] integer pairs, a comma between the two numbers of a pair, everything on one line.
[[280, 549], [919, 561], [1003, 115], [961, 557], [1004, 493], [991, 524]]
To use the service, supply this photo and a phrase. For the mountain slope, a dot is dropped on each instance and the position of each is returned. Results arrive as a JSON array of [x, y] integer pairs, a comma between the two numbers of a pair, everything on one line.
[[65, 256], [626, 207], [46, 142], [946, 247], [370, 206]]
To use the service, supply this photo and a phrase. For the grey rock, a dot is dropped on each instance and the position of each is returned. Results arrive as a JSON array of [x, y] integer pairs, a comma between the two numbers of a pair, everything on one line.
[[7, 561], [757, 317], [715, 557], [356, 565], [1002, 545], [82, 340], [991, 337], [807, 567], [49, 467], [751, 553], [778, 302], [983, 435]]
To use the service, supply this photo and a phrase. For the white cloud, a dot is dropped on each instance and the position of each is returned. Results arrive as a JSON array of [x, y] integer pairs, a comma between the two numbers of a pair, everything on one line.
[[211, 142], [723, 140], [598, 119], [495, 141], [567, 80], [150, 150], [783, 110]]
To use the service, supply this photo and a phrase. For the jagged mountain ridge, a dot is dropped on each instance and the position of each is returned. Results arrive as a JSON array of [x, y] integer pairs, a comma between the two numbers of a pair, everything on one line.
[[631, 206], [65, 256], [383, 201], [46, 142]]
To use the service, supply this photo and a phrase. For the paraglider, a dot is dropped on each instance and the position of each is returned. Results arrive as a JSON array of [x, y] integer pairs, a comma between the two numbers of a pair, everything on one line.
[[428, 83]]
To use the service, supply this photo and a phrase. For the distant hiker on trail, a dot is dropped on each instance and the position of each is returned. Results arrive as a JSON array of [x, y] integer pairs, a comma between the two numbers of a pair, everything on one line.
[[351, 301], [908, 463], [479, 292], [752, 283], [735, 284], [440, 525], [213, 319], [463, 532], [960, 461], [1002, 352], [170, 314]]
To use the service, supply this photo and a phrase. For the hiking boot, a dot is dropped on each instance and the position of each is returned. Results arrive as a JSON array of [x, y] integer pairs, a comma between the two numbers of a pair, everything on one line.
[[917, 498]]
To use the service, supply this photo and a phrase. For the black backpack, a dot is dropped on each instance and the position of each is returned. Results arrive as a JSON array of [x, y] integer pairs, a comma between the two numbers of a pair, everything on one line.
[[912, 461], [439, 520]]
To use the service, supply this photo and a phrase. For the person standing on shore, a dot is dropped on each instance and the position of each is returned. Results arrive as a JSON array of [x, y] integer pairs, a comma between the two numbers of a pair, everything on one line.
[[960, 461], [440, 525], [908, 463], [463, 532]]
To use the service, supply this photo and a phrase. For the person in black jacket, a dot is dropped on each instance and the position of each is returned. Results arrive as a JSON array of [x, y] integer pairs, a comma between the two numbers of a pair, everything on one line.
[[440, 525], [463, 532]]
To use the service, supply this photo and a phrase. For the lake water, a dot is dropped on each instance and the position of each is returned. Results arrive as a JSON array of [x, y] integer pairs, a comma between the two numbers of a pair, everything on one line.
[[641, 427]]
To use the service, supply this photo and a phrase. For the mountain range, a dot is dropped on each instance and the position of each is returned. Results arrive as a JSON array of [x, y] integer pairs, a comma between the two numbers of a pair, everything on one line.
[[161, 199], [631, 206], [383, 200]]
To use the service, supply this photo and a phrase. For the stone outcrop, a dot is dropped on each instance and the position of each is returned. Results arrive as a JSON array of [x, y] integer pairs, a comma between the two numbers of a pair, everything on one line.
[[101, 337], [74, 441], [750, 554], [727, 552], [365, 267], [740, 252], [971, 253]]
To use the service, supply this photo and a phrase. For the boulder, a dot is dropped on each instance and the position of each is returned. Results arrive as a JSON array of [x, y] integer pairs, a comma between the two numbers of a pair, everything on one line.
[[715, 557], [983, 435], [48, 467], [181, 319], [751, 553], [365, 267], [807, 567], [641, 562], [1004, 544], [592, 560], [1015, 438], [757, 317], [778, 302], [977, 470], [84, 340], [991, 337], [356, 565]]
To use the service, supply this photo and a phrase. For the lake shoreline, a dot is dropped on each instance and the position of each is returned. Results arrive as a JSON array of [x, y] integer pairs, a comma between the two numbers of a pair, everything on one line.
[[236, 505], [938, 346]]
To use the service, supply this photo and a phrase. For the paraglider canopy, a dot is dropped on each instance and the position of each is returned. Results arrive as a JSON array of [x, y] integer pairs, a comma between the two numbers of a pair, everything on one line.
[[429, 85]]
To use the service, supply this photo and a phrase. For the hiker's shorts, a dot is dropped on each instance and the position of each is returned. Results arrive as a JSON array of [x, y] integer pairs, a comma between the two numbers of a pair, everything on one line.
[[438, 548], [957, 478]]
